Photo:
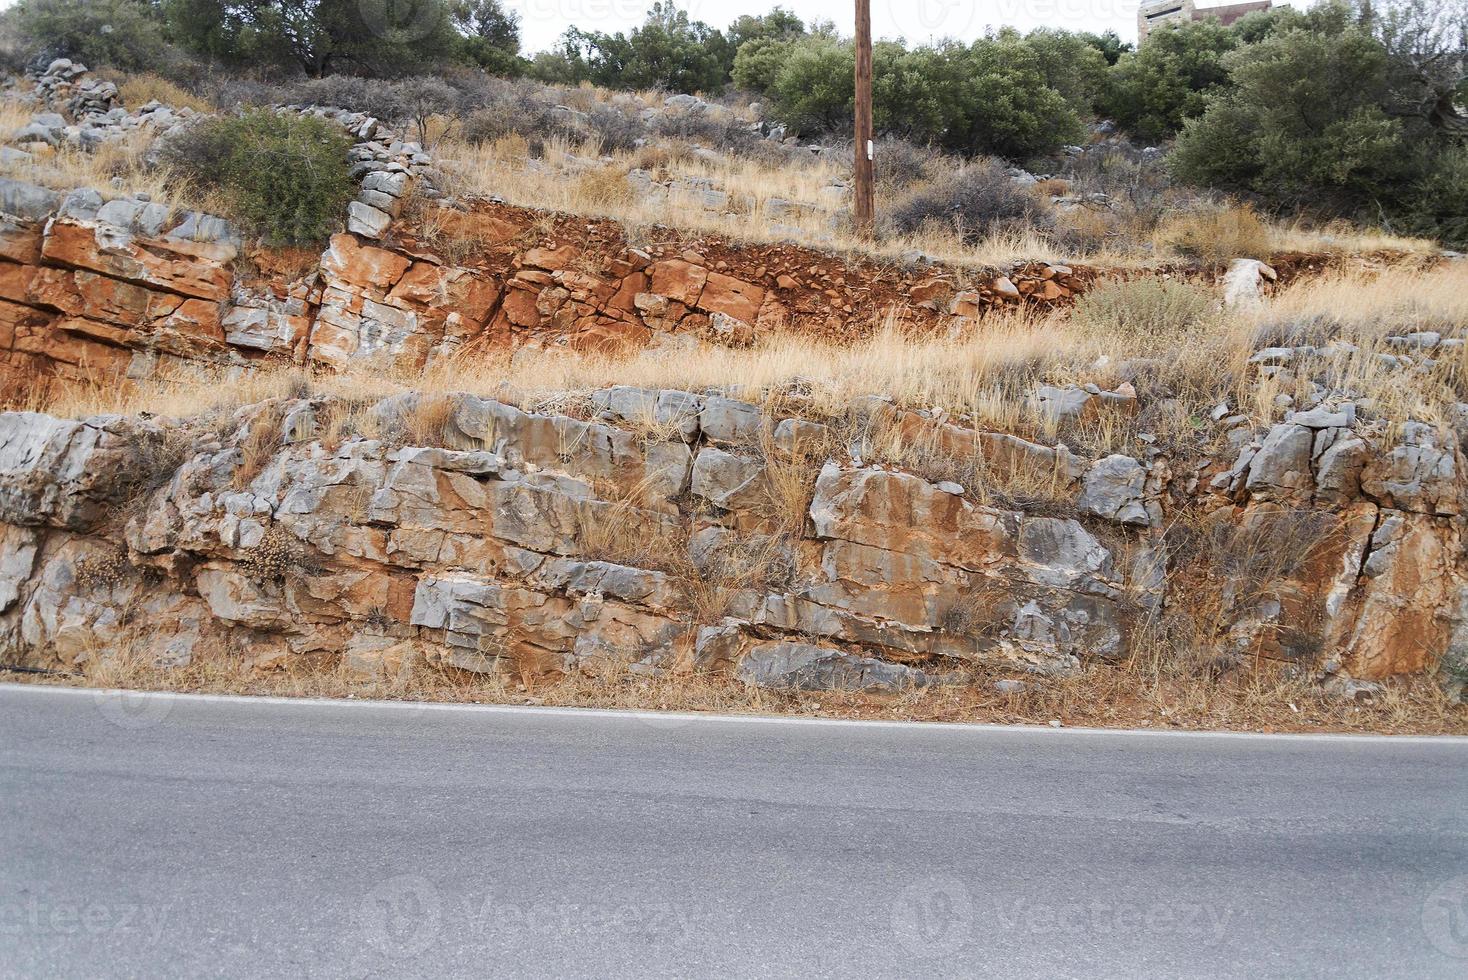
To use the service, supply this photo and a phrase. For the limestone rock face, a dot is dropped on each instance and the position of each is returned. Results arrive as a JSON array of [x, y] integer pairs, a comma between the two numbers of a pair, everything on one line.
[[904, 513], [803, 667], [1115, 488], [1421, 474], [674, 531], [1280, 470], [65, 474]]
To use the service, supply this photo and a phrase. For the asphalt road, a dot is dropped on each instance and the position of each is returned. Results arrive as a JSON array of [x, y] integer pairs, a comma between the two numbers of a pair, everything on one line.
[[164, 836]]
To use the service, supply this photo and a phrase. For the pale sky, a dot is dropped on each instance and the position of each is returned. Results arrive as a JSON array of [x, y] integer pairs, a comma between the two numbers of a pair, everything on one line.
[[916, 21]]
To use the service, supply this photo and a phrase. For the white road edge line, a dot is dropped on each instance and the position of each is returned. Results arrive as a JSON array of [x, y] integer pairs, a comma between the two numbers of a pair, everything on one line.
[[665, 717]]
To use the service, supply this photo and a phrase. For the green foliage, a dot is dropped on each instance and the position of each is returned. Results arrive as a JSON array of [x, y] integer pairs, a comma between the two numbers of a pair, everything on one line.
[[1108, 43], [121, 34], [1072, 64], [777, 25], [1303, 122], [1438, 204], [920, 94], [319, 37], [285, 176], [758, 62], [994, 96], [815, 89], [491, 36], [1010, 109], [1348, 108], [1255, 27], [669, 51], [1169, 78]]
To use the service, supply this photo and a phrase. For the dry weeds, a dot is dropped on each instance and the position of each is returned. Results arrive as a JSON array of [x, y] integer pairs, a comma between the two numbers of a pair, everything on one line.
[[1186, 358], [1269, 700]]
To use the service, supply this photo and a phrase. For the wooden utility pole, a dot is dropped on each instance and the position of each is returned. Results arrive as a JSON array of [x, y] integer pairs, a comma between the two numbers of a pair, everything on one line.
[[865, 150]]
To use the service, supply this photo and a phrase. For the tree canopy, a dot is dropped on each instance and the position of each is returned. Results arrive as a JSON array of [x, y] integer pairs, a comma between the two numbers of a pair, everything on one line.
[[1351, 106]]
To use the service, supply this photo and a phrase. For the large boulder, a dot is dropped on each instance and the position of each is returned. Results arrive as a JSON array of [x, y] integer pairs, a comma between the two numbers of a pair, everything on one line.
[[1115, 489], [804, 667], [70, 474]]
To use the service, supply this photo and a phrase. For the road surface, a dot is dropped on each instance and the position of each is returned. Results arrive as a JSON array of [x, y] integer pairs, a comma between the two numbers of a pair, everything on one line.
[[161, 835]]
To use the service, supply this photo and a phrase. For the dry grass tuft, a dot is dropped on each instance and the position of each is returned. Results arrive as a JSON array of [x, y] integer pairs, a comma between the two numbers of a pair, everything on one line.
[[428, 422], [138, 90], [1216, 237], [263, 439]]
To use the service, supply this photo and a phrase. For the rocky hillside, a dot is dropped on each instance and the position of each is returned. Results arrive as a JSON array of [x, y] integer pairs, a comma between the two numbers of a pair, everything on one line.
[[483, 438], [676, 531], [91, 286]]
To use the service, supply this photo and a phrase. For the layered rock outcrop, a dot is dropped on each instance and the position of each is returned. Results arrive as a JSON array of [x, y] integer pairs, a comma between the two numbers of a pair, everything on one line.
[[125, 288], [670, 530]]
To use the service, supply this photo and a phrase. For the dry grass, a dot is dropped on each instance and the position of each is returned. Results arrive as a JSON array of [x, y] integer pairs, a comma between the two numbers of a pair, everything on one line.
[[1269, 700], [427, 424], [263, 439], [119, 160], [1363, 309], [581, 179], [1216, 237], [457, 242], [138, 90], [1343, 238], [981, 379]]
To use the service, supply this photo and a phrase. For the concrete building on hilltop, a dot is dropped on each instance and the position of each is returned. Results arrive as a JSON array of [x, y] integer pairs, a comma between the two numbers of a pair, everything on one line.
[[1155, 12]]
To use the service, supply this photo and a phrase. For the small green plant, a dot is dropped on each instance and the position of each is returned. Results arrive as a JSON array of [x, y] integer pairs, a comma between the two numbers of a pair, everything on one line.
[[285, 177]]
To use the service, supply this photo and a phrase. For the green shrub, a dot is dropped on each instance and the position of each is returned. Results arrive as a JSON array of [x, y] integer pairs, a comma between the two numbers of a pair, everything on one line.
[[757, 63], [285, 177], [1169, 78], [1304, 121], [1439, 206], [1152, 315], [972, 203], [815, 89], [116, 33], [322, 37]]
